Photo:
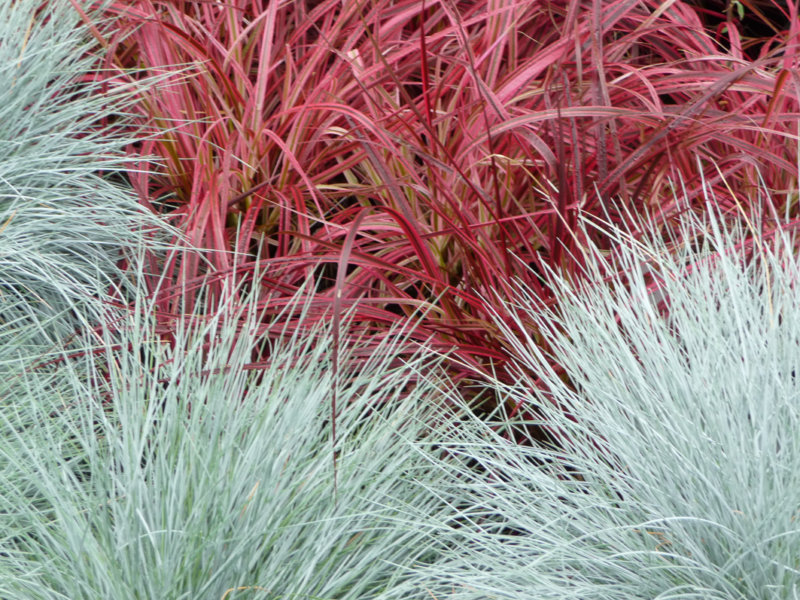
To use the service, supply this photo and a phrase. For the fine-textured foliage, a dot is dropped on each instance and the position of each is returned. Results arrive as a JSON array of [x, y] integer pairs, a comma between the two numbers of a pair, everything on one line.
[[63, 223], [149, 470], [676, 472]]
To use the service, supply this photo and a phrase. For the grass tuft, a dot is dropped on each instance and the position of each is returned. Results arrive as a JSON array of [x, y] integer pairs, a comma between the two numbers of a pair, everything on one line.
[[141, 469], [674, 460], [67, 219]]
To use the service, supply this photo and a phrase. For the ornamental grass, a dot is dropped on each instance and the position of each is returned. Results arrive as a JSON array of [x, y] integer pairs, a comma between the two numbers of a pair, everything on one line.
[[264, 266], [141, 469], [673, 457], [66, 221], [410, 148]]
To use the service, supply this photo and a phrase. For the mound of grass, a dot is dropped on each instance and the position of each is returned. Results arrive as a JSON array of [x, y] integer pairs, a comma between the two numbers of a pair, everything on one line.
[[65, 224], [675, 464], [140, 469]]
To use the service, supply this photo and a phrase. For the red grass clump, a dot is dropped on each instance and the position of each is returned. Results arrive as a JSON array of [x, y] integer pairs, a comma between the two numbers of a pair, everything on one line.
[[412, 155]]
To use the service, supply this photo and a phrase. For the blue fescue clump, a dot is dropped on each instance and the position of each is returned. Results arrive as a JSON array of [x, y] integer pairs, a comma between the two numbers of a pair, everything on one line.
[[65, 225], [674, 470]]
